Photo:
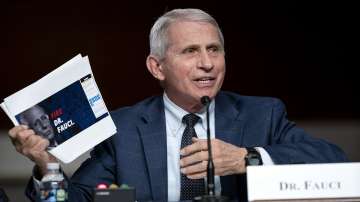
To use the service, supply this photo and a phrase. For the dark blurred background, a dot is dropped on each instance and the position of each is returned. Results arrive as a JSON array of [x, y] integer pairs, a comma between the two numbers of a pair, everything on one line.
[[302, 52]]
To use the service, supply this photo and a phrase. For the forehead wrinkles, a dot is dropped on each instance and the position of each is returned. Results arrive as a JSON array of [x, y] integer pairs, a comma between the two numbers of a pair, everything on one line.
[[187, 33]]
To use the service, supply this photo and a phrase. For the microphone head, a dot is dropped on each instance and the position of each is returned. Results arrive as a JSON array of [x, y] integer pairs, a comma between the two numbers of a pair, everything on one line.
[[205, 100]]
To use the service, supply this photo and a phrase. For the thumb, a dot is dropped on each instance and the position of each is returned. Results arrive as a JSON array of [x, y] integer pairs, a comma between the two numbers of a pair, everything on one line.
[[195, 139]]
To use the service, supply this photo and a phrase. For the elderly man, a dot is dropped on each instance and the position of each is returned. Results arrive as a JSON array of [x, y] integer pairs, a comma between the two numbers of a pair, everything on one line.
[[160, 148]]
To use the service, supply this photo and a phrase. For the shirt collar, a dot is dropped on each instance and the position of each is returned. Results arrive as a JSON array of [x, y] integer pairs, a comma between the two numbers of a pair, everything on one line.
[[177, 113]]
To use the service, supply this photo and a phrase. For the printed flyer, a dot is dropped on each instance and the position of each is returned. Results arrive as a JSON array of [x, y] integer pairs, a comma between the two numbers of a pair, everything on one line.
[[65, 107]]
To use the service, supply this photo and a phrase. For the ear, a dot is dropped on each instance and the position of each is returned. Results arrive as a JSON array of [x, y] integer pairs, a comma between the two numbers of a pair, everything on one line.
[[22, 120], [154, 67]]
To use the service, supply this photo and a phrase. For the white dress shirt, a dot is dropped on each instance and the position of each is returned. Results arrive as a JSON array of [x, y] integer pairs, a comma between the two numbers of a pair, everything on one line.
[[174, 130]]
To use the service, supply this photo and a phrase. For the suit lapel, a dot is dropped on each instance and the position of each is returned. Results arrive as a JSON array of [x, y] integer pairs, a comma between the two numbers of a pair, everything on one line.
[[152, 129], [153, 135], [229, 128], [228, 124]]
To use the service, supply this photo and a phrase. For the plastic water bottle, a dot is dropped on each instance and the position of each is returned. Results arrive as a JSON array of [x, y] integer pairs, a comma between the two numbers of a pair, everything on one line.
[[53, 186]]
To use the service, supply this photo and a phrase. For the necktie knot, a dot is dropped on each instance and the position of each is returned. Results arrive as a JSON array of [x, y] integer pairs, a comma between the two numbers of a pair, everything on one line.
[[190, 120]]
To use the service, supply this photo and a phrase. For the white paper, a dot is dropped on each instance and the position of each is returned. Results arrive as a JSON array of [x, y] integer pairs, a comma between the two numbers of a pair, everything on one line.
[[303, 181], [69, 100]]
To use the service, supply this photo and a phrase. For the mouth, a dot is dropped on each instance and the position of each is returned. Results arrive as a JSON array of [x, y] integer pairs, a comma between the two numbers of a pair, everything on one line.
[[205, 81], [48, 133]]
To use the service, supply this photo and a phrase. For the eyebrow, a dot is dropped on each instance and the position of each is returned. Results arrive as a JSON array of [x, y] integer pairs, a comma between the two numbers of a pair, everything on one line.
[[215, 44], [191, 46], [196, 46]]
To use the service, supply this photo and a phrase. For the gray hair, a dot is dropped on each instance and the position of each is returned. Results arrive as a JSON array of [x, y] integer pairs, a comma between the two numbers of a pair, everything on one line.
[[23, 117], [159, 36]]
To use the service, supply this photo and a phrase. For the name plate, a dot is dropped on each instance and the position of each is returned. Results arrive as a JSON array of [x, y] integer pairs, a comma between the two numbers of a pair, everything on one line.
[[303, 181]]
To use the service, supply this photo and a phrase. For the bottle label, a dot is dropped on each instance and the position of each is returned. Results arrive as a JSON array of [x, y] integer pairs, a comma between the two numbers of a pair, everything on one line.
[[48, 195], [53, 192], [61, 195]]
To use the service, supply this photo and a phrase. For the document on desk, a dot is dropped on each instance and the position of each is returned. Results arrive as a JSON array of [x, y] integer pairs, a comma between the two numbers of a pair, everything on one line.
[[66, 107]]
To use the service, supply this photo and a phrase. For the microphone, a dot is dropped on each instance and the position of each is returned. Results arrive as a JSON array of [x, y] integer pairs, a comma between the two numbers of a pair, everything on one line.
[[205, 100], [210, 185]]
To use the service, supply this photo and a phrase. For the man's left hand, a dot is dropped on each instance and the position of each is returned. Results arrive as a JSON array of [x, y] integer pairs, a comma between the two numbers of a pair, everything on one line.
[[228, 159]]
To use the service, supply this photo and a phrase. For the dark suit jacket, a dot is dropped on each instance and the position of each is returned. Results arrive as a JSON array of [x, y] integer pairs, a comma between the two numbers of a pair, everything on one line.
[[3, 197], [137, 155]]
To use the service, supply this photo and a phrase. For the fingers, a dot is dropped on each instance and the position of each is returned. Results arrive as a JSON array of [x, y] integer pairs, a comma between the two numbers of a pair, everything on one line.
[[197, 146], [197, 175], [195, 171], [42, 144], [194, 158], [20, 134], [228, 159], [23, 136], [38, 151], [14, 131], [27, 142], [32, 145], [35, 143], [202, 145]]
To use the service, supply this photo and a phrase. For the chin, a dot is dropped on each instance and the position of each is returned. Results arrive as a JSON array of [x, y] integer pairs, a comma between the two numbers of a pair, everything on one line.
[[211, 94], [48, 134]]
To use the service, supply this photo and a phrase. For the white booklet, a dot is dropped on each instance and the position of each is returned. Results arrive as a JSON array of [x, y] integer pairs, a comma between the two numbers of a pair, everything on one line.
[[66, 107]]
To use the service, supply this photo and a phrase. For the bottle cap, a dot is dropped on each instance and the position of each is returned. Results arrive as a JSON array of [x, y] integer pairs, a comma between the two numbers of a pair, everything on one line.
[[113, 186], [124, 186], [101, 186], [53, 166]]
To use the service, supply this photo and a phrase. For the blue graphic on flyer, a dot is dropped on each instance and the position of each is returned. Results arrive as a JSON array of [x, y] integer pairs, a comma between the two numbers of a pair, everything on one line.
[[62, 115]]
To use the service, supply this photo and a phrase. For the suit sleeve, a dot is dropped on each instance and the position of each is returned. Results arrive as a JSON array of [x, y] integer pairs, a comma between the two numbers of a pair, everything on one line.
[[99, 168], [290, 144]]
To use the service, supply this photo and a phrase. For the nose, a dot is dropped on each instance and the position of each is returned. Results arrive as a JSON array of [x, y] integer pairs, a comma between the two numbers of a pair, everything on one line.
[[43, 125], [205, 63]]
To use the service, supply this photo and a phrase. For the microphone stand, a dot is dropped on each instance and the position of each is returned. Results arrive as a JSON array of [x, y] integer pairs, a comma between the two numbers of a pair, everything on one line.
[[210, 185]]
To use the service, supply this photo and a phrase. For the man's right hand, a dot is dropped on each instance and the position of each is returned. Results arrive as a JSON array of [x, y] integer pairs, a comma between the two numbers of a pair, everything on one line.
[[31, 145]]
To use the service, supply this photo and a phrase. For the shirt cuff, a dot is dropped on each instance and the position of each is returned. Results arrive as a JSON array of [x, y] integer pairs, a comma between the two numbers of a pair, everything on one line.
[[265, 157], [36, 177], [36, 184]]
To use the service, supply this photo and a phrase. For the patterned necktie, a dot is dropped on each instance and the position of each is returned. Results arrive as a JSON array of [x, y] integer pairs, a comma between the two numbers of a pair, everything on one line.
[[190, 188]]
